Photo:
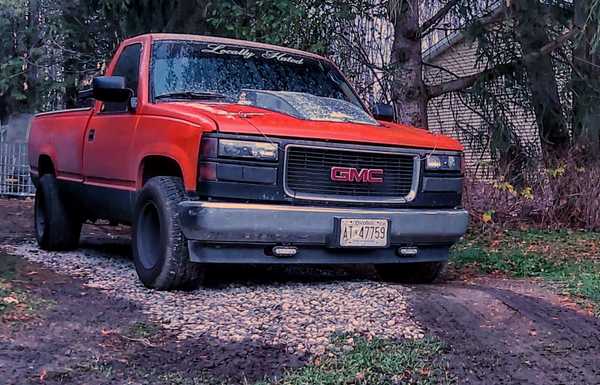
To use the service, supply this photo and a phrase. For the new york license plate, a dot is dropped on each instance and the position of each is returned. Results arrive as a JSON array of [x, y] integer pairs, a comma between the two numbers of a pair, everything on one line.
[[364, 232]]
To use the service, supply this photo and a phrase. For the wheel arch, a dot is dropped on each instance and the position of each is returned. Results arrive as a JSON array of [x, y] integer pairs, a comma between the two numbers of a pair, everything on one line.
[[158, 165], [45, 165]]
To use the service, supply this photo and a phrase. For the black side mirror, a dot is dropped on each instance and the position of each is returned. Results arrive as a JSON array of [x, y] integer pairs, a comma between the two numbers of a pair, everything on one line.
[[85, 99], [384, 112], [111, 89]]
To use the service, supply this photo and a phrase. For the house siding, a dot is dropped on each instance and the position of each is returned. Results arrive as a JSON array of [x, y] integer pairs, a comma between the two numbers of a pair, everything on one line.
[[453, 115]]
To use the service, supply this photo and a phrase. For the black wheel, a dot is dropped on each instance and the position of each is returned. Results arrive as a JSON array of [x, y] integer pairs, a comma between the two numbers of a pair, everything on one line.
[[57, 225], [159, 248], [425, 272]]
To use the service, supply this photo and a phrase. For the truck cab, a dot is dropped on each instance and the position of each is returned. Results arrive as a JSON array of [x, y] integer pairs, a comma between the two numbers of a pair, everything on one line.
[[221, 151]]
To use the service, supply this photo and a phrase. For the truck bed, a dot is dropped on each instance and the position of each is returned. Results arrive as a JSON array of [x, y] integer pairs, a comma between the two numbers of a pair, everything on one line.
[[60, 134]]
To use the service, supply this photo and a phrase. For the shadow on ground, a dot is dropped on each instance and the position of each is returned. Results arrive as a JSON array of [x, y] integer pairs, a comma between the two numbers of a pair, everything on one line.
[[71, 343]]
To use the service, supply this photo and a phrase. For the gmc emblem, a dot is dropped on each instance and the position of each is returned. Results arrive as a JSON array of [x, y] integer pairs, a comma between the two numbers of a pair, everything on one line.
[[349, 174]]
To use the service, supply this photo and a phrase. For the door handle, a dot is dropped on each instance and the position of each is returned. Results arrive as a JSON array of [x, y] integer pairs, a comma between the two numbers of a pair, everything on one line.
[[91, 135]]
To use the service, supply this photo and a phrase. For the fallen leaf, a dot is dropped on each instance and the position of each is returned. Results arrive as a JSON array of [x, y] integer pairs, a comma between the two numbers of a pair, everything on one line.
[[10, 300]]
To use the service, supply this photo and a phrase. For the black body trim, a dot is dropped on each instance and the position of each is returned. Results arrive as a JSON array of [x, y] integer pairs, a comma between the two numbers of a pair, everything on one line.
[[228, 191], [95, 202]]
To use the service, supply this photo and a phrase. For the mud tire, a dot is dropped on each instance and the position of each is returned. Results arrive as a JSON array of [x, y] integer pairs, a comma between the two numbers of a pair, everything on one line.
[[160, 251], [57, 224]]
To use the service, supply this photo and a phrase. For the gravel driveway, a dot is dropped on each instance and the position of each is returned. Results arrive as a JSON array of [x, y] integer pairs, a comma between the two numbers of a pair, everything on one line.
[[301, 316], [259, 321]]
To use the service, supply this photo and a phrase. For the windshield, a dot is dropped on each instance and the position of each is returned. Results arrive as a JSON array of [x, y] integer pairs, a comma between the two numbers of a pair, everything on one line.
[[196, 69]]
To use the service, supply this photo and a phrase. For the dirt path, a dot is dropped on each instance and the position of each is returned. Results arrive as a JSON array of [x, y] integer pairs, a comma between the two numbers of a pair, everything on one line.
[[498, 331], [511, 332]]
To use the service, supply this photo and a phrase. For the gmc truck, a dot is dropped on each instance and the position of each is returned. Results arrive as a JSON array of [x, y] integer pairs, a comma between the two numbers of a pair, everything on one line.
[[219, 151]]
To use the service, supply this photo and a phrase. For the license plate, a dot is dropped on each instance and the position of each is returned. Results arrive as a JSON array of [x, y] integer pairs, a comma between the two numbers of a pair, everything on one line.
[[364, 232]]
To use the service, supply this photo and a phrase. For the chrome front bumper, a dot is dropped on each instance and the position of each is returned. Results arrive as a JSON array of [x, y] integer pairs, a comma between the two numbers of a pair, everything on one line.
[[243, 233]]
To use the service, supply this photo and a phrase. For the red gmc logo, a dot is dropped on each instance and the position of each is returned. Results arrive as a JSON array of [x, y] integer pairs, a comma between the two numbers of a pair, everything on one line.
[[349, 174]]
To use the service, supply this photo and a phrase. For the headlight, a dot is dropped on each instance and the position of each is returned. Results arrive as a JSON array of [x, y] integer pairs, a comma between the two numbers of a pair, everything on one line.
[[243, 149], [442, 163]]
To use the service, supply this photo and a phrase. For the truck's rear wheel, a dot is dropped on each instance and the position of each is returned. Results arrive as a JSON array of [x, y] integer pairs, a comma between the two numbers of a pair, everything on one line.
[[159, 248], [57, 225], [424, 272]]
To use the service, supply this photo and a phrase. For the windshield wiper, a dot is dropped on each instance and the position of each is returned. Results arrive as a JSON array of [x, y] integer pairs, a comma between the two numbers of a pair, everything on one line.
[[192, 95]]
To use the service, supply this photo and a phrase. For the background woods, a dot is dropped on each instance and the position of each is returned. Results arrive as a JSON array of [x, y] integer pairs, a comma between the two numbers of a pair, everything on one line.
[[518, 81]]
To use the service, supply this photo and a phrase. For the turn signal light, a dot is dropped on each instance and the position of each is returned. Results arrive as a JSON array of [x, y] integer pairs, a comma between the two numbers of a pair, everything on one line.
[[207, 171], [408, 251], [285, 251]]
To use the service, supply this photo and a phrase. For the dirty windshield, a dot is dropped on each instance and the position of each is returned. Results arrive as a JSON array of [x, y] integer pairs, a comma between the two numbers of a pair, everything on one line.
[[296, 85]]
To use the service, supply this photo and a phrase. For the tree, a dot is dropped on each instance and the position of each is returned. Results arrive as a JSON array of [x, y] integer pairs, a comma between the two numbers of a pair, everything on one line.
[[530, 18], [527, 64], [409, 93], [586, 78], [12, 75]]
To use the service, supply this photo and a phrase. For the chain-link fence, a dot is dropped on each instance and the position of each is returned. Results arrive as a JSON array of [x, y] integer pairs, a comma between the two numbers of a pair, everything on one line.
[[14, 170]]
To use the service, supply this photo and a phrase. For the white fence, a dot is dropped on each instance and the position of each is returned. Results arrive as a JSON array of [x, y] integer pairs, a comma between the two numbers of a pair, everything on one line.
[[14, 170]]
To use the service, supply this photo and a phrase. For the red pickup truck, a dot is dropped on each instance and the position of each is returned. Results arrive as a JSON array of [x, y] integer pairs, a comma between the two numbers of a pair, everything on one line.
[[220, 151]]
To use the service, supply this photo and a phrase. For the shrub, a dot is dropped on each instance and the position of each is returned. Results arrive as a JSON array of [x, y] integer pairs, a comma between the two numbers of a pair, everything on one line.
[[566, 196]]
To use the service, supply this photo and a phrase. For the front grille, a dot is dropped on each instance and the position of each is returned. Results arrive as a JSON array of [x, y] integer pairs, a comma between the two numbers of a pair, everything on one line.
[[308, 174]]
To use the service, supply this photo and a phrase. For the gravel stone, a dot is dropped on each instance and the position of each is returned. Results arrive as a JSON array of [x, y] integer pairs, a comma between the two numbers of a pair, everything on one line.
[[301, 316]]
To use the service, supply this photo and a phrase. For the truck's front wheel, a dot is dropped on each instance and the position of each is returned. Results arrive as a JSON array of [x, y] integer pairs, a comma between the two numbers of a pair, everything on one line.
[[57, 224], [424, 272], [159, 248]]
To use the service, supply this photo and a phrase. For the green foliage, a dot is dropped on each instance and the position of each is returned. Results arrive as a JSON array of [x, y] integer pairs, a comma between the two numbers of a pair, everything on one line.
[[304, 24], [12, 60], [356, 360]]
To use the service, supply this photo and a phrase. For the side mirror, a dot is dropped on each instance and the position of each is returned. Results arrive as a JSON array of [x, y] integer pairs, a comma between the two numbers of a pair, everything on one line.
[[384, 112], [85, 98], [111, 89]]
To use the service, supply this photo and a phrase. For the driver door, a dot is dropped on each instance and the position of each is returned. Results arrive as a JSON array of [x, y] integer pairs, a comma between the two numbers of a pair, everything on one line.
[[109, 174]]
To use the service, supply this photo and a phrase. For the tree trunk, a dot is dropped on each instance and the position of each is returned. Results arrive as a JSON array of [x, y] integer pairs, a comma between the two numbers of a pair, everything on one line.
[[586, 83], [33, 42], [531, 27], [408, 89]]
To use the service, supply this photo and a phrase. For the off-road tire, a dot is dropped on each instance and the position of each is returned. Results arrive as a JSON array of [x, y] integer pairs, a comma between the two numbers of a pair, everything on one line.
[[160, 251], [57, 224], [425, 272]]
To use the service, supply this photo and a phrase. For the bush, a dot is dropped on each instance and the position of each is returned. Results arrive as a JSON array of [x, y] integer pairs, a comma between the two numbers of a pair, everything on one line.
[[567, 196]]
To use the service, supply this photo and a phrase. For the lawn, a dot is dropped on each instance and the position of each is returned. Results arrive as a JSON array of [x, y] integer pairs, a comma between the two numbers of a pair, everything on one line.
[[360, 361], [570, 260], [356, 360]]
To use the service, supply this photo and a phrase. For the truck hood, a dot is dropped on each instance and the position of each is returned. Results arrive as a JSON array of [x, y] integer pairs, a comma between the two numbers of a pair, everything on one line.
[[249, 120]]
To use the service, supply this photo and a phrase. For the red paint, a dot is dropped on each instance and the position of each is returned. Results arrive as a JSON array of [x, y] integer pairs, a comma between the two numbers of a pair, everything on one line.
[[174, 130]]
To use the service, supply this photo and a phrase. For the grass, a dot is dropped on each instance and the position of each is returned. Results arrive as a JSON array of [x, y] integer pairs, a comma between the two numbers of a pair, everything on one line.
[[15, 303], [352, 360], [142, 330], [375, 361], [570, 259]]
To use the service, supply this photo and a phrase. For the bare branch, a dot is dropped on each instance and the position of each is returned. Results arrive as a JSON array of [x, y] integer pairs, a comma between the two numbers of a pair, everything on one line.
[[435, 19], [431, 65], [465, 82]]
